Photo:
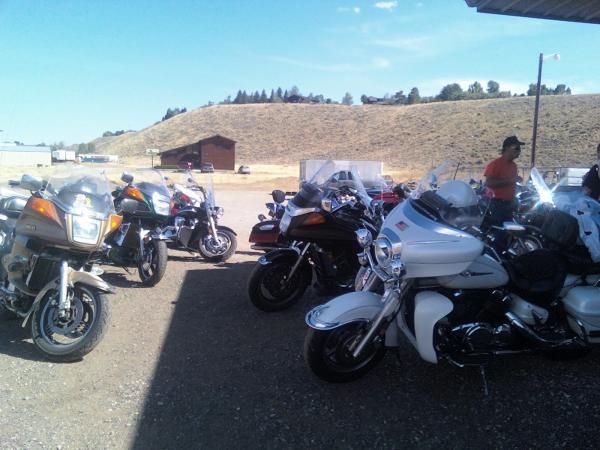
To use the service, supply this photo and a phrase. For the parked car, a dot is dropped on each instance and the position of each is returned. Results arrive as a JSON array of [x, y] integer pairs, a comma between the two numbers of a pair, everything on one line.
[[244, 170], [207, 167]]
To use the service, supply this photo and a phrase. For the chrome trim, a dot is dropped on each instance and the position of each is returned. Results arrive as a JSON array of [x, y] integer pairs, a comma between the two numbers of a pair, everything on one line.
[[63, 299], [394, 239], [364, 237]]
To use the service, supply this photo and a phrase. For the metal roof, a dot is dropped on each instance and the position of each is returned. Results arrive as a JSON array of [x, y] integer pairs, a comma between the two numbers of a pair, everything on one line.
[[586, 11], [23, 148]]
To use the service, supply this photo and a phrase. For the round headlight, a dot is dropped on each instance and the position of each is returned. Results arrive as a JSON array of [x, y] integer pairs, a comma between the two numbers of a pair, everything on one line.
[[218, 211], [383, 251]]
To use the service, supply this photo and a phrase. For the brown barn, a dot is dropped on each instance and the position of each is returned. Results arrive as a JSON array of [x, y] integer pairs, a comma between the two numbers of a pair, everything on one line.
[[218, 150]]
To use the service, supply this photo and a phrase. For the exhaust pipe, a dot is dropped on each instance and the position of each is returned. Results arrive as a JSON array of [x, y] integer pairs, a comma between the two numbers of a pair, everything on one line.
[[526, 331]]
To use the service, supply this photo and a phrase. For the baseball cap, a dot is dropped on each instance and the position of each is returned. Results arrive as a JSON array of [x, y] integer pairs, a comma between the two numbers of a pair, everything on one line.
[[511, 140]]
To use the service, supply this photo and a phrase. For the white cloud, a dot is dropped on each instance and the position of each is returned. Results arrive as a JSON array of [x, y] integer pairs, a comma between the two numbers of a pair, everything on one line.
[[386, 5], [346, 9], [375, 64]]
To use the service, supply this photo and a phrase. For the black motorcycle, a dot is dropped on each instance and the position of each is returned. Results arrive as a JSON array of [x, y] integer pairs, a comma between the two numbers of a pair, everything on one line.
[[320, 222], [194, 223], [139, 242]]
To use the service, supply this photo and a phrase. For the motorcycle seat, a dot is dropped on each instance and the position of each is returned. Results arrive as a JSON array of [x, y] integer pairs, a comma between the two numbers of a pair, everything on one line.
[[579, 261], [537, 275], [12, 206]]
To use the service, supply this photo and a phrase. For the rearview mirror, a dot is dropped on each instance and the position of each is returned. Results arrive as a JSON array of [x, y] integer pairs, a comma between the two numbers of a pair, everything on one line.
[[31, 183], [126, 177]]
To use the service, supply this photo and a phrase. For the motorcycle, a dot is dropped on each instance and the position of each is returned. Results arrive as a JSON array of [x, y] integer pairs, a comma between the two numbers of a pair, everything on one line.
[[46, 242], [265, 235], [194, 222], [319, 222], [454, 299], [139, 242]]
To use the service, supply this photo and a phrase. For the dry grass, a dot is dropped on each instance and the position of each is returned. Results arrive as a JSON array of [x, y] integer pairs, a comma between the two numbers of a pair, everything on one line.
[[408, 139]]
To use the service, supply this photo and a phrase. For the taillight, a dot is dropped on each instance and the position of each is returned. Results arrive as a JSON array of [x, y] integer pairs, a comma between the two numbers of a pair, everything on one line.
[[314, 219], [44, 208]]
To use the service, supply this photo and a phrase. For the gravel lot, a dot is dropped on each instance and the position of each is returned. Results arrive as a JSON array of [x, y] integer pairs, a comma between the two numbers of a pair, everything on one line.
[[192, 364]]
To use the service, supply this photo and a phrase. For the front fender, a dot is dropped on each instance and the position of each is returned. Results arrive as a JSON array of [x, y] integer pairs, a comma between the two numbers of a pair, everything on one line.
[[351, 307], [221, 227], [74, 277], [277, 255]]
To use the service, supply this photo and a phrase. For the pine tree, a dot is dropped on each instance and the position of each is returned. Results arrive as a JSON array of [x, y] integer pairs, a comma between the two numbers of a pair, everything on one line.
[[280, 93], [347, 99], [263, 97], [413, 97]]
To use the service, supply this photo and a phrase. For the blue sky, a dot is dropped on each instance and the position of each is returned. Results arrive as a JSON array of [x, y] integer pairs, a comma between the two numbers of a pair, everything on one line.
[[72, 69]]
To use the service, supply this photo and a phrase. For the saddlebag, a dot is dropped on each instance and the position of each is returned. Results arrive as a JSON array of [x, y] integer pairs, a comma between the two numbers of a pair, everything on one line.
[[583, 303]]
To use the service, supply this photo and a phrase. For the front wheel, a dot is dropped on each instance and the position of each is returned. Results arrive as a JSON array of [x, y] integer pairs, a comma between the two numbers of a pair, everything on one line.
[[153, 265], [220, 249], [329, 353], [270, 289], [75, 333]]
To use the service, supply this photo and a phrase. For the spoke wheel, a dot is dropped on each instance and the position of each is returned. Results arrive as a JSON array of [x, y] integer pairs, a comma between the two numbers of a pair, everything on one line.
[[329, 353]]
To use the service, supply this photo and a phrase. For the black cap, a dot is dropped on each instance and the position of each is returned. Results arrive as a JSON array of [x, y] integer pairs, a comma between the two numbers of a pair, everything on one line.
[[511, 140]]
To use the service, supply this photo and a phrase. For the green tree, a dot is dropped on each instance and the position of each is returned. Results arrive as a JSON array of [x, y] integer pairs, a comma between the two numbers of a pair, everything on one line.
[[263, 97], [560, 89], [451, 92], [347, 99], [493, 87], [413, 96], [475, 90], [294, 91], [399, 98]]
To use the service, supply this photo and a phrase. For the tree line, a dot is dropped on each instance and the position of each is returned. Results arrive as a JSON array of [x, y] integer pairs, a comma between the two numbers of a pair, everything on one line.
[[280, 95], [454, 92]]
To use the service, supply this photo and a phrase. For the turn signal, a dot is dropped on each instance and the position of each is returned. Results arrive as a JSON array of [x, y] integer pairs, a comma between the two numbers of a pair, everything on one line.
[[114, 222], [314, 219], [44, 208], [134, 193]]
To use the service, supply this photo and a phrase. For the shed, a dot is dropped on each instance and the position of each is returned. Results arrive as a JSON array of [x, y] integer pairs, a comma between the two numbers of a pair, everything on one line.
[[24, 155], [217, 149]]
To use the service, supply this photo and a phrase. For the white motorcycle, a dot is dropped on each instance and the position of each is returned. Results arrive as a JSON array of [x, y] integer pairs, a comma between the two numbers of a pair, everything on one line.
[[432, 279]]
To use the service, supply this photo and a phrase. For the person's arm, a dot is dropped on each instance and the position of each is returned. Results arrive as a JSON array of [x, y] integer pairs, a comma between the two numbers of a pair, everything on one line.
[[496, 182]]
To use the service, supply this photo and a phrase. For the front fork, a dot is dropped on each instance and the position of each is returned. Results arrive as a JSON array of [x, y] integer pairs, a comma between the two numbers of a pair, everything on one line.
[[298, 261], [64, 302], [391, 305]]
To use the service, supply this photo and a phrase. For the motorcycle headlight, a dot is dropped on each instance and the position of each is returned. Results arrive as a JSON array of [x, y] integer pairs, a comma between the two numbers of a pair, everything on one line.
[[162, 204], [218, 212], [86, 230]]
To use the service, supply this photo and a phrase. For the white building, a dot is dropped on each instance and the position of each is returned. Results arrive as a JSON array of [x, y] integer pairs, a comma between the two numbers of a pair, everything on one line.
[[24, 155]]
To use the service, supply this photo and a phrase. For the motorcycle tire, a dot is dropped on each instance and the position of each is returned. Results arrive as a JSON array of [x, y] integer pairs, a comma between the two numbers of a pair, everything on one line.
[[154, 265], [265, 289], [70, 339], [328, 353], [213, 254]]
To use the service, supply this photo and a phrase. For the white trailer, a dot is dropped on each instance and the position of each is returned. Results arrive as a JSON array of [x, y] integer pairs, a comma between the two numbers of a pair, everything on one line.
[[370, 171], [63, 155]]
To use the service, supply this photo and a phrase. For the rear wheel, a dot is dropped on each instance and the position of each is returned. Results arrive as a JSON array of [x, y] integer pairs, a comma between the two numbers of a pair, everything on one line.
[[72, 335], [270, 289], [153, 265], [329, 353]]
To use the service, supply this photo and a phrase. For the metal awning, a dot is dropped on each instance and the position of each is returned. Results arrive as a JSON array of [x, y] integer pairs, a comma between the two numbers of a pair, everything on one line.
[[586, 11]]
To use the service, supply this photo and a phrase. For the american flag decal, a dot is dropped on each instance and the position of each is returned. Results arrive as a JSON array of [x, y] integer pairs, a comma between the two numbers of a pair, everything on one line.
[[401, 226]]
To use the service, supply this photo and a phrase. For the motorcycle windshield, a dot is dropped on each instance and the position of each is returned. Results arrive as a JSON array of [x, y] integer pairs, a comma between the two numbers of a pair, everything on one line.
[[202, 184], [538, 182], [334, 178], [453, 201], [80, 191], [149, 181]]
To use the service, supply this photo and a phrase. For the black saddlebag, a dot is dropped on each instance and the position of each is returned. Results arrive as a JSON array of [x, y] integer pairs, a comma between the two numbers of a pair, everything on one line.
[[560, 228]]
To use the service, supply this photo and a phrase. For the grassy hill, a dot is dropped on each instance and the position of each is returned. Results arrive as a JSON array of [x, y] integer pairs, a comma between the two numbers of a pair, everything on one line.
[[405, 137]]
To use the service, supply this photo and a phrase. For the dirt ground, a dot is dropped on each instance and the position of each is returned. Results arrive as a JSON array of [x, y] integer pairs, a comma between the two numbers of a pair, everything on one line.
[[191, 363]]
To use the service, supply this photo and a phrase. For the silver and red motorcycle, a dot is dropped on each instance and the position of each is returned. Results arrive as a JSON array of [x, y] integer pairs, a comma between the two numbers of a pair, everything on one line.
[[432, 279], [46, 245]]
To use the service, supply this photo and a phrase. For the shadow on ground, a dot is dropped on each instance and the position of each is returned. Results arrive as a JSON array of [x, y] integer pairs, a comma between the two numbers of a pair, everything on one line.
[[231, 376]]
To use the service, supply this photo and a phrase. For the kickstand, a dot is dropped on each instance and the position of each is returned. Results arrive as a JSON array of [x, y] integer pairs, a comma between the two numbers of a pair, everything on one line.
[[126, 270], [484, 382]]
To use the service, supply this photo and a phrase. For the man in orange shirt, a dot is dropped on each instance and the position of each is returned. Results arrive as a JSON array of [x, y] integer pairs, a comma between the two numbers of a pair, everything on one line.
[[501, 180]]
